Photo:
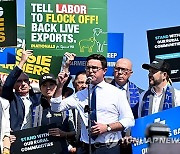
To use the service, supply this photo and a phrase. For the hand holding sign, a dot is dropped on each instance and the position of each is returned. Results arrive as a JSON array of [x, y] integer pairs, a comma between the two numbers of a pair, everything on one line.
[[35, 141], [12, 138], [57, 132], [69, 57]]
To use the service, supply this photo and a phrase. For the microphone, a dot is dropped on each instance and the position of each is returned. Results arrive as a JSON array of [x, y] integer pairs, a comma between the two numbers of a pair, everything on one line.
[[89, 79]]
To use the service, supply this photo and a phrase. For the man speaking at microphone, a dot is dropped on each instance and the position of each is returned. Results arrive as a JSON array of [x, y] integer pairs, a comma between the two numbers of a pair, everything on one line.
[[110, 110]]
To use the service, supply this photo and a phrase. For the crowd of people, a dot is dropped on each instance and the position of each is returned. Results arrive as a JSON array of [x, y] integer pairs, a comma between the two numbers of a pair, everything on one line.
[[112, 104]]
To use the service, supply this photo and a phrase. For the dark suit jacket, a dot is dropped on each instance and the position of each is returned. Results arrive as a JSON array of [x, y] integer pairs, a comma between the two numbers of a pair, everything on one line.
[[17, 109]]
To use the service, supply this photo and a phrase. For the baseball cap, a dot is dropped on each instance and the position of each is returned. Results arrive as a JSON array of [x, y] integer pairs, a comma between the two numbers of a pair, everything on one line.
[[47, 77], [158, 64]]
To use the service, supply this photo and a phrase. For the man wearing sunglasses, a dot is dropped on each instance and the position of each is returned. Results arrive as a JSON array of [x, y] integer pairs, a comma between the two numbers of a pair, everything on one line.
[[22, 99]]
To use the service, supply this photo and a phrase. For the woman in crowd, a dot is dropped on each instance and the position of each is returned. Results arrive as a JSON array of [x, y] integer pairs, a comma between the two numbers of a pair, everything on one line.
[[44, 116]]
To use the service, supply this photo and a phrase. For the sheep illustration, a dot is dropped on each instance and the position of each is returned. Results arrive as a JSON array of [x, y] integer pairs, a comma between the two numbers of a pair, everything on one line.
[[87, 43], [100, 37]]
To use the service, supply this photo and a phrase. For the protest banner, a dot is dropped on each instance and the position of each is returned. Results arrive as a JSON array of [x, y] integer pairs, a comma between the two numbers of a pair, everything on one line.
[[170, 117], [165, 44], [35, 65], [55, 27], [115, 51], [36, 141], [8, 24]]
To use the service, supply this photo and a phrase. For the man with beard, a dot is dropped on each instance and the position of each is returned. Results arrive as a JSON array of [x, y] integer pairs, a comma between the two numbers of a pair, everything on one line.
[[160, 96]]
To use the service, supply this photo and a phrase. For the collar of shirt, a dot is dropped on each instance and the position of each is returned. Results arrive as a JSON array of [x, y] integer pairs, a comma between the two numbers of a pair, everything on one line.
[[25, 97], [124, 87], [154, 92], [99, 85]]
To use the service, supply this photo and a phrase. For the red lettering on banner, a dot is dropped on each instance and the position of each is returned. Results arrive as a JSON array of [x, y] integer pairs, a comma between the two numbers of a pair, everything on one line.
[[71, 9]]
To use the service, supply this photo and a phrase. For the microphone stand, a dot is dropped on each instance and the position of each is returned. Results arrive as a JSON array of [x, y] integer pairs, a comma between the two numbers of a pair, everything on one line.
[[87, 109]]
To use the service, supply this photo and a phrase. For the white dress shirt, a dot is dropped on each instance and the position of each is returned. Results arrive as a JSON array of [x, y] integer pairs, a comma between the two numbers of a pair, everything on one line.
[[27, 123], [123, 88], [157, 99], [5, 122], [111, 105]]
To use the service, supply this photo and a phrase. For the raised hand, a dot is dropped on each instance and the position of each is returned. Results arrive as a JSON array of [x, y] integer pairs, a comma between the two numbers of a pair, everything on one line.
[[62, 78], [25, 55], [69, 58]]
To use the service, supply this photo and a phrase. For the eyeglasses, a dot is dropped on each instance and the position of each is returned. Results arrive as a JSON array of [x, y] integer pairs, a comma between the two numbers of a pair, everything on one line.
[[123, 70], [94, 68]]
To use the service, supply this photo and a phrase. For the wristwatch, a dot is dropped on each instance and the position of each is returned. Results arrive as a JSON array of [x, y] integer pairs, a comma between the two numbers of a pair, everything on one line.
[[108, 128]]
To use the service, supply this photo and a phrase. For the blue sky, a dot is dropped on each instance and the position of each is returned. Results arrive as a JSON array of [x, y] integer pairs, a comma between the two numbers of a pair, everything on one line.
[[134, 18]]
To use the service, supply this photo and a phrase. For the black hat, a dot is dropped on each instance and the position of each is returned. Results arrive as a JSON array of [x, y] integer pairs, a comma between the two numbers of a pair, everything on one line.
[[47, 77], [158, 64]]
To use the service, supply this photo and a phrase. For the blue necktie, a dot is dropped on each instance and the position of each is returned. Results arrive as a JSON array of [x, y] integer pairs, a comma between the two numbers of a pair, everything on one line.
[[93, 105], [93, 110]]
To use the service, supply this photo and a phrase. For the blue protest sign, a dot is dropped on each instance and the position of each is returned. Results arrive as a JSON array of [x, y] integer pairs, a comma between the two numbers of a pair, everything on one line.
[[115, 51], [169, 117], [7, 56]]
